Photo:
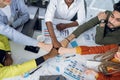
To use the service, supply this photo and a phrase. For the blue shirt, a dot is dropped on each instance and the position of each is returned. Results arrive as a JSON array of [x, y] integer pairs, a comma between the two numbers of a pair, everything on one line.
[[19, 12]]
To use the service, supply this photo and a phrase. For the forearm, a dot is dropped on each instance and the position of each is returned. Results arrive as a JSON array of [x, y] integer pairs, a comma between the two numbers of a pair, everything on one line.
[[15, 70], [70, 37], [94, 49], [86, 26], [63, 50], [72, 24], [17, 36], [51, 31], [67, 40]]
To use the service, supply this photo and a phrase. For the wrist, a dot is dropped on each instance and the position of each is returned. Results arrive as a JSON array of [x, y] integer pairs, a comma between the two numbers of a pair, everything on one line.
[[9, 53], [102, 21], [96, 75], [67, 39], [65, 25]]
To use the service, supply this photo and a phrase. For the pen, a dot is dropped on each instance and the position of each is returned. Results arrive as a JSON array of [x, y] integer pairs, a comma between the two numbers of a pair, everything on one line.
[[70, 56], [28, 74], [35, 70]]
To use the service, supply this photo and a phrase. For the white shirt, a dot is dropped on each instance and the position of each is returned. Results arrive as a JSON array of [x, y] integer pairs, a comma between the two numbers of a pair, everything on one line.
[[59, 9], [6, 11]]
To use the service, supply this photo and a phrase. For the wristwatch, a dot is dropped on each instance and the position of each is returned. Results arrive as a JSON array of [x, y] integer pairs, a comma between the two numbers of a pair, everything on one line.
[[8, 52], [102, 21]]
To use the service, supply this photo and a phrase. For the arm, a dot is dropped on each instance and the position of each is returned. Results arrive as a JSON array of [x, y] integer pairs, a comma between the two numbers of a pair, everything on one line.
[[67, 40], [55, 42], [14, 70], [94, 49], [22, 12], [63, 26], [83, 50], [80, 18], [84, 27], [91, 23], [16, 36], [20, 38], [48, 19]]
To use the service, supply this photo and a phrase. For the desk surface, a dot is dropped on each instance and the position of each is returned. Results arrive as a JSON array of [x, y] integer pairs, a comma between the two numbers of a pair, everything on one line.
[[20, 55]]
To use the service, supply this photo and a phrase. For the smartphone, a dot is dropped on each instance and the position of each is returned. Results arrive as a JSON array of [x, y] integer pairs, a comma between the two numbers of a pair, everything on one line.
[[33, 49]]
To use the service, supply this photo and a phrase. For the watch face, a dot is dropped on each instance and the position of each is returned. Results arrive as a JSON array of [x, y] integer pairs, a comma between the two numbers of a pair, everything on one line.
[[102, 21]]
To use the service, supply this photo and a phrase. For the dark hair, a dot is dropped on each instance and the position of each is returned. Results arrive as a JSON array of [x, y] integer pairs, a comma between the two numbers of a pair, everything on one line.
[[117, 6]]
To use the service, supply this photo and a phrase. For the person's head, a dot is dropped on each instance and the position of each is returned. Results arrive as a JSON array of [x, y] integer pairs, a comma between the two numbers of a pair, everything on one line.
[[110, 59], [4, 3], [69, 1], [114, 19]]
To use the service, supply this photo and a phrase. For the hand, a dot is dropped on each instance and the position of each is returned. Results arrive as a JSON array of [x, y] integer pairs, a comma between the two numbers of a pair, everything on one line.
[[64, 43], [102, 15], [117, 56], [51, 54], [60, 26], [56, 44], [46, 47], [8, 60], [92, 72]]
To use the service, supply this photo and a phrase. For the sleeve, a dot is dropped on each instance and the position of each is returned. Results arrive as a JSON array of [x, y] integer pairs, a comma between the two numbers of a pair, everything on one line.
[[81, 13], [86, 26], [5, 41], [49, 15], [94, 49], [115, 76], [22, 12], [16, 36], [15, 70]]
